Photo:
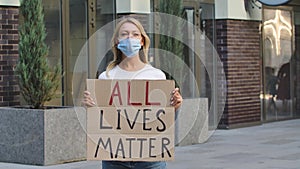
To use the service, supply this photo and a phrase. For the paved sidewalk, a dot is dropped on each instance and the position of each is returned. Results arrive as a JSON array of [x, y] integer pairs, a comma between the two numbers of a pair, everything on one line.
[[273, 145]]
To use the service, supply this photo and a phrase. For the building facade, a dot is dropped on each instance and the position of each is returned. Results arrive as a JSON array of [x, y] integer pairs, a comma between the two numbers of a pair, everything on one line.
[[257, 44]]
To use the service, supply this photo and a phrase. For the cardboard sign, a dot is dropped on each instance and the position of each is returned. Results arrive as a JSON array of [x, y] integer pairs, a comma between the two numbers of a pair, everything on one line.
[[132, 121]]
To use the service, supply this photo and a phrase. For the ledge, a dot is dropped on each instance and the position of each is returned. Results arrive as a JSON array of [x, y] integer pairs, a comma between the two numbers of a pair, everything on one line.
[[10, 3]]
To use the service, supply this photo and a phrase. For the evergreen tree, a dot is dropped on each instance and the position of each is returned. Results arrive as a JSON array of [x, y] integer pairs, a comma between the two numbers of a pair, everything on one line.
[[169, 43], [38, 81]]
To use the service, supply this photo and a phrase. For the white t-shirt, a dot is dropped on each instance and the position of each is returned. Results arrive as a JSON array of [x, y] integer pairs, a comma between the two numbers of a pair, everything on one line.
[[146, 73]]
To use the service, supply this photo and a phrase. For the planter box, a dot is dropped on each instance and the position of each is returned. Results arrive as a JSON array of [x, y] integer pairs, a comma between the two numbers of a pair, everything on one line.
[[192, 122], [42, 137]]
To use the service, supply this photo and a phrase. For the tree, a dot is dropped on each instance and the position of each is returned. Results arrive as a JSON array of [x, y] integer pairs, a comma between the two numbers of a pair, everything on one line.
[[167, 42], [38, 81]]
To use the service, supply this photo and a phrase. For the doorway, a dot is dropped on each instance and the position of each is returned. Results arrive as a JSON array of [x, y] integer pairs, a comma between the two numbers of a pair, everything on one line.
[[202, 14], [81, 19]]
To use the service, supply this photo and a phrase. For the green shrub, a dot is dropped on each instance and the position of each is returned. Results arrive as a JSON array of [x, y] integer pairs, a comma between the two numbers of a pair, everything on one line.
[[170, 44], [38, 81]]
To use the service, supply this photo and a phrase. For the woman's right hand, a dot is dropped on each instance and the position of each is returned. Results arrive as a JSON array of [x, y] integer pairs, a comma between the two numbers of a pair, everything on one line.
[[87, 99]]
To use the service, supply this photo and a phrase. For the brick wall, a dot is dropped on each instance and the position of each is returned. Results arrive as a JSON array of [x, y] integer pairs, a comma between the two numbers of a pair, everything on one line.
[[9, 90], [238, 45]]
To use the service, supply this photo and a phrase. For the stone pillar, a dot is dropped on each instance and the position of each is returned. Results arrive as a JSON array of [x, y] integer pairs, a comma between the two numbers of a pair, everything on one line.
[[9, 89]]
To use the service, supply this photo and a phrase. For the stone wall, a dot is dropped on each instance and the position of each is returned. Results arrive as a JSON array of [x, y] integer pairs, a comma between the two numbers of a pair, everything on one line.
[[9, 89], [238, 45]]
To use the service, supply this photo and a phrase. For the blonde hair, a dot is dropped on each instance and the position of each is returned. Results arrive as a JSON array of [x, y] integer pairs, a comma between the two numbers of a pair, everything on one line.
[[143, 53]]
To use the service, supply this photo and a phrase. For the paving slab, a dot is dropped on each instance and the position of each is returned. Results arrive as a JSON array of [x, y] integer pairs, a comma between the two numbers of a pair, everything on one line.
[[273, 145]]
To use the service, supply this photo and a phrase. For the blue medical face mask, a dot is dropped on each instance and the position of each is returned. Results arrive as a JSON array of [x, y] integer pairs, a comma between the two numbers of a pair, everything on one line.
[[129, 46]]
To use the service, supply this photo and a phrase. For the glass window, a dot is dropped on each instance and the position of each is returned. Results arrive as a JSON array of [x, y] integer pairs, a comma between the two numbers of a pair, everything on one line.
[[53, 40], [76, 36], [87, 38], [105, 14], [278, 56], [297, 61]]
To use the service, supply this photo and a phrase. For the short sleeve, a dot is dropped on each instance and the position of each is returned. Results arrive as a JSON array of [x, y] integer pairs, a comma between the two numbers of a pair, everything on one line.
[[102, 75]]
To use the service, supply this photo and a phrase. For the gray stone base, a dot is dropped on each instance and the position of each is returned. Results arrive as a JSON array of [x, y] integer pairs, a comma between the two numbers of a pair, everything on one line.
[[42, 137], [192, 122]]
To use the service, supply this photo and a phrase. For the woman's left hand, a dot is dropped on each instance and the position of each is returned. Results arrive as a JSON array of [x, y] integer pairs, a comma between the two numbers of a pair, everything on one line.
[[176, 98]]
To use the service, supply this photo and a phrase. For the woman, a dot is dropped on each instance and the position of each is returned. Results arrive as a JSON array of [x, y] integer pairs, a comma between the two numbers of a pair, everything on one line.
[[130, 45]]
